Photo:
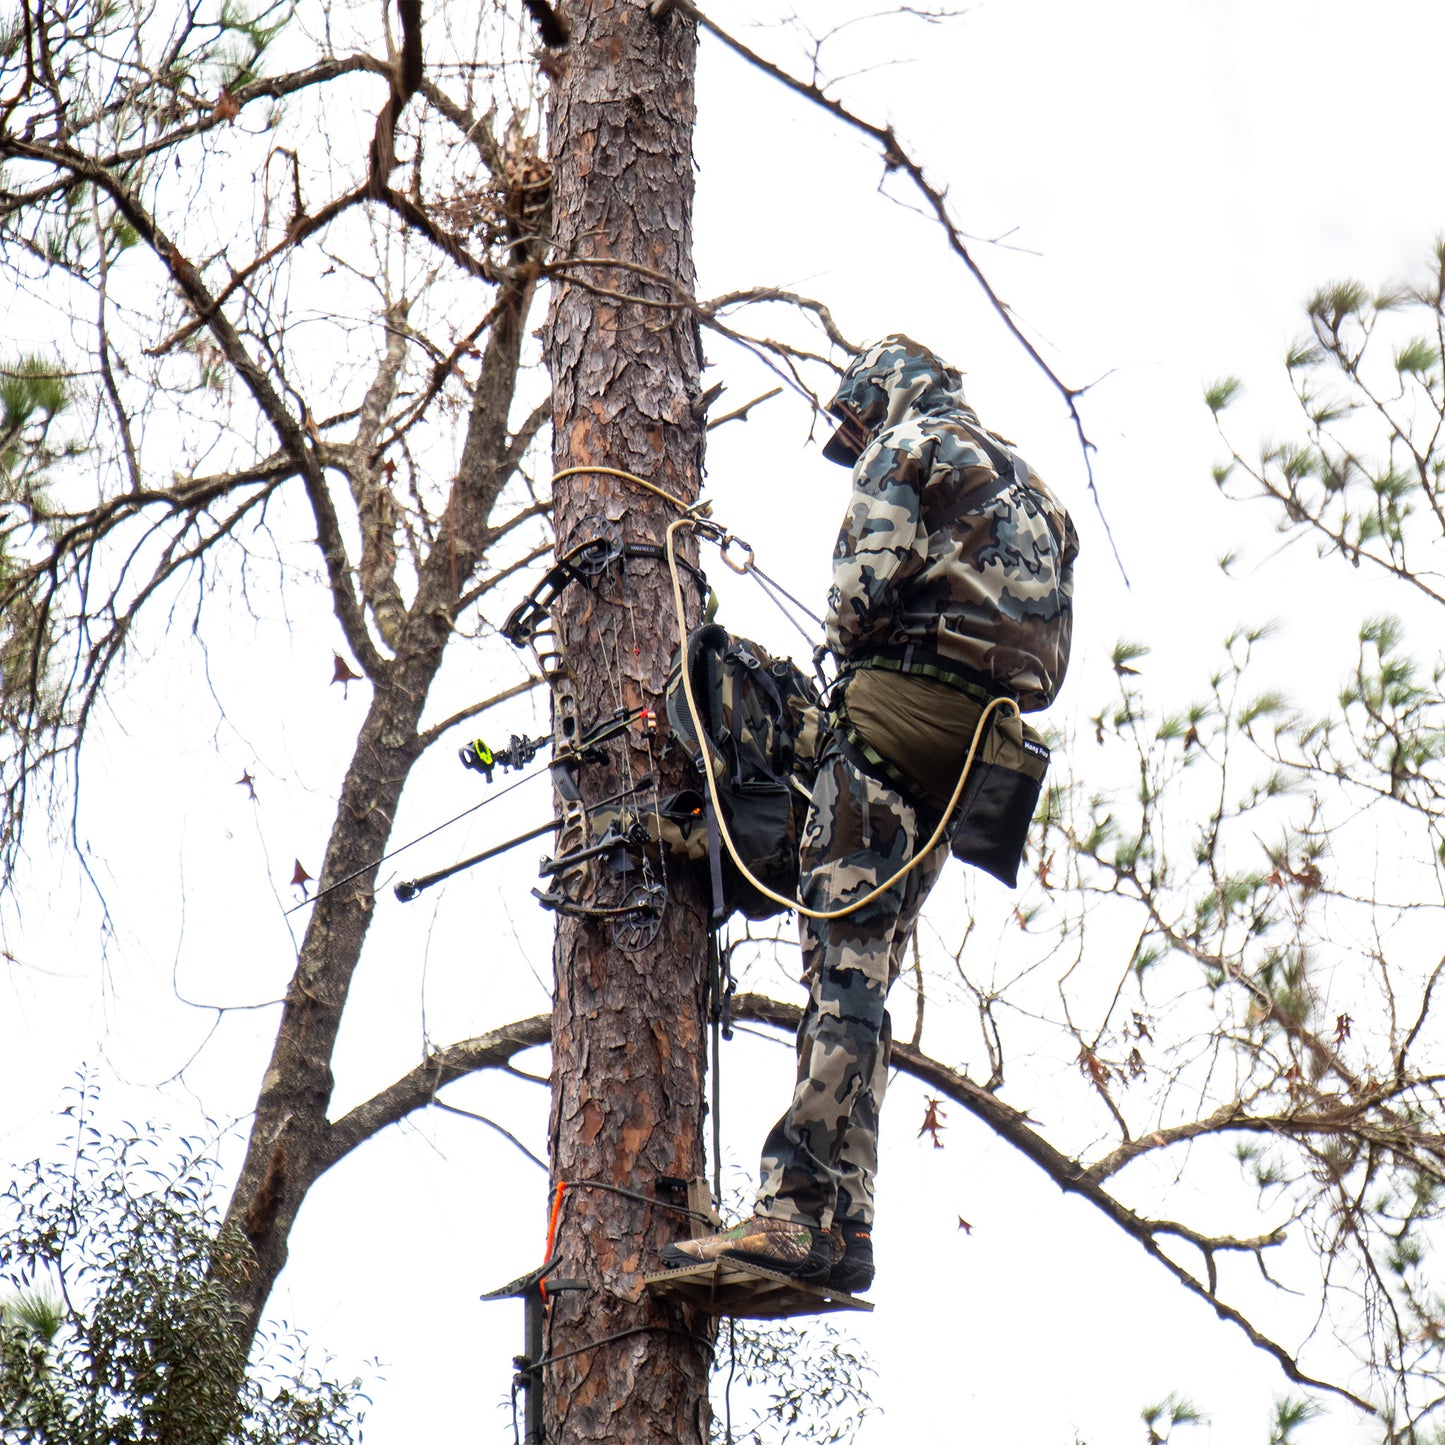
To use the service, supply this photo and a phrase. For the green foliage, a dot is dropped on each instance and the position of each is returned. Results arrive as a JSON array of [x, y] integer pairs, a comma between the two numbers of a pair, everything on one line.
[[1295, 462], [1051, 805], [1103, 829], [214, 372], [30, 385], [1392, 486], [1419, 356], [1126, 653], [1335, 303], [1382, 633], [1222, 392], [27, 698], [27, 641], [814, 1384], [1303, 354], [1281, 867], [1147, 955], [1290, 1413], [33, 392], [124, 234], [1406, 1254], [1367, 476], [1267, 1173], [245, 38], [1426, 1191], [1397, 725], [1274, 784], [1393, 296], [1325, 412], [116, 1327], [34, 1315], [1180, 725], [1266, 705], [1174, 1409]]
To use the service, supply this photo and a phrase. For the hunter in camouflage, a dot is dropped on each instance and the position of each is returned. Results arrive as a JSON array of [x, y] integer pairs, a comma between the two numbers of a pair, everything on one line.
[[954, 566]]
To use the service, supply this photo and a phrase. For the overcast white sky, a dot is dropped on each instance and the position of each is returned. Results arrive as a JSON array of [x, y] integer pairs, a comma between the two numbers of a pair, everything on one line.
[[1176, 178], [1171, 179]]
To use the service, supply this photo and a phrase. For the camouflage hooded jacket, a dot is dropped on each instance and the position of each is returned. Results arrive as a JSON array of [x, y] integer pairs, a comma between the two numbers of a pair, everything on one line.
[[973, 574]]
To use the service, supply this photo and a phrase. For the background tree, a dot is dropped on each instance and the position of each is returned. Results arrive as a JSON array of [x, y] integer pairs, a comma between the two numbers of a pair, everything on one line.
[[116, 1310], [215, 374], [32, 396], [109, 118]]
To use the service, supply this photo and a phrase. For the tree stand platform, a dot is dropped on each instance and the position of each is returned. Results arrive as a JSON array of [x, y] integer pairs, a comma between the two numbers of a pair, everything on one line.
[[749, 1292]]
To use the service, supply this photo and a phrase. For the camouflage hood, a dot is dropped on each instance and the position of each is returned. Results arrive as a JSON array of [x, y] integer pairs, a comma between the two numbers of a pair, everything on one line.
[[888, 381]]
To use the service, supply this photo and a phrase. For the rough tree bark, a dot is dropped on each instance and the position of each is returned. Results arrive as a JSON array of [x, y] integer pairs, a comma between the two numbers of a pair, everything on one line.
[[628, 1035]]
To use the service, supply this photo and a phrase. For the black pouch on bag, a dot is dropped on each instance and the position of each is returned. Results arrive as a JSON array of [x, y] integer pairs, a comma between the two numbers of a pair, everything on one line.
[[992, 823]]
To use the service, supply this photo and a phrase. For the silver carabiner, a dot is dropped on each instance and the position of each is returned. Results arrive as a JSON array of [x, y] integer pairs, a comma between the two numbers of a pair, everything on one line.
[[743, 568]]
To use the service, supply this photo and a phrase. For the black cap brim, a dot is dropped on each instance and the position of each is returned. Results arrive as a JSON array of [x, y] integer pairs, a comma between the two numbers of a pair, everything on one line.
[[841, 447]]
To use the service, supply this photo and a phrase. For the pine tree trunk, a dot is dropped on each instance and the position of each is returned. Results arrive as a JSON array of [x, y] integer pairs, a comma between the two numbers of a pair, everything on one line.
[[628, 1026]]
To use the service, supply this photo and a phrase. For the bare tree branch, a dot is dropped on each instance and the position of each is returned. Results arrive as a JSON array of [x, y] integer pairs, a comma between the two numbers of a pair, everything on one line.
[[493, 1050], [896, 158], [289, 429], [1071, 1176], [517, 689]]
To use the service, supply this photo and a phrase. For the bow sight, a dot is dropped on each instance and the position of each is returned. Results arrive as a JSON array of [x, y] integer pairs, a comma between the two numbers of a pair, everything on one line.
[[624, 843], [516, 755]]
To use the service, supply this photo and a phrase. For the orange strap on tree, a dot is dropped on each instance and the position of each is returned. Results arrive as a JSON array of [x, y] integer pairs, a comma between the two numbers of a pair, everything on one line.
[[552, 1227]]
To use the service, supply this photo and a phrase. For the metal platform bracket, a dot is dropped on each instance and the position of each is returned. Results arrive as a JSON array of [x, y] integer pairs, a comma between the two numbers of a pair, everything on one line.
[[749, 1291], [528, 1364]]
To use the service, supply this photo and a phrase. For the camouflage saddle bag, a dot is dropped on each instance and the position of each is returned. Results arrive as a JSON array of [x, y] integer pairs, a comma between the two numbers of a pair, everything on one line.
[[991, 826], [760, 719]]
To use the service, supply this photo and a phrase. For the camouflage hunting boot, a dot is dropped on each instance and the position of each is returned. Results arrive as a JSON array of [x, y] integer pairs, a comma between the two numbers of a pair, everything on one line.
[[797, 1250], [852, 1254]]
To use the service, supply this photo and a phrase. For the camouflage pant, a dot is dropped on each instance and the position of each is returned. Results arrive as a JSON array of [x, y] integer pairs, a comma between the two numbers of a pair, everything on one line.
[[820, 1157]]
